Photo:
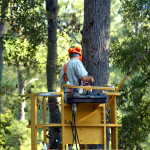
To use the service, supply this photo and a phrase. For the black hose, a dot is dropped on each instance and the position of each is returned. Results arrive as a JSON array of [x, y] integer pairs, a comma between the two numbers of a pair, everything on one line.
[[74, 127], [76, 131], [74, 138]]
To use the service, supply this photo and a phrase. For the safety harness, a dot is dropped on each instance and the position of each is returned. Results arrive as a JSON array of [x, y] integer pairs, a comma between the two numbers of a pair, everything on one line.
[[65, 76]]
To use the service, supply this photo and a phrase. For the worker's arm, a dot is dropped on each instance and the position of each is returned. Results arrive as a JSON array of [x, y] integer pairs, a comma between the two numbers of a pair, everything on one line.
[[87, 79]]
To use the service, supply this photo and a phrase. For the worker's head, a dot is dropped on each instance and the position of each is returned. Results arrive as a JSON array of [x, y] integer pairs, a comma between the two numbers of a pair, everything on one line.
[[75, 52]]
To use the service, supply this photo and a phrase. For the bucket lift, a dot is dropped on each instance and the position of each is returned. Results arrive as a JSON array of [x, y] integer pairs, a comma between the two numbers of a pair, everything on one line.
[[90, 117]]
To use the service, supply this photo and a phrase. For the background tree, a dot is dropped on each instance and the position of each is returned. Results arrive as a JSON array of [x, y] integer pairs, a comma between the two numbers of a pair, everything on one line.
[[3, 22], [52, 12]]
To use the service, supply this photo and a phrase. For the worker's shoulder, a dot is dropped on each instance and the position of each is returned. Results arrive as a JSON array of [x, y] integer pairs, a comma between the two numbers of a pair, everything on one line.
[[76, 61]]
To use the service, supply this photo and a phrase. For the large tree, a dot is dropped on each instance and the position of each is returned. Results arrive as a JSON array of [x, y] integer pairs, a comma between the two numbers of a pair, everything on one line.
[[95, 41]]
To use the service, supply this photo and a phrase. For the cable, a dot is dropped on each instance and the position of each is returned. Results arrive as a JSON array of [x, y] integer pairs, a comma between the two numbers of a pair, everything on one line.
[[76, 131], [72, 131], [73, 116], [73, 126]]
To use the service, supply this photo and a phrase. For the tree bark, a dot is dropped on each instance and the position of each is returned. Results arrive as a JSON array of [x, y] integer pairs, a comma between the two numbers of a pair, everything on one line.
[[96, 39], [3, 23], [21, 112], [1, 71], [52, 8], [137, 27], [96, 43]]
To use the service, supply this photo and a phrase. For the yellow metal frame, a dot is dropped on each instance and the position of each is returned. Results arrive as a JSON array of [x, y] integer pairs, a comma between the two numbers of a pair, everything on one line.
[[87, 125]]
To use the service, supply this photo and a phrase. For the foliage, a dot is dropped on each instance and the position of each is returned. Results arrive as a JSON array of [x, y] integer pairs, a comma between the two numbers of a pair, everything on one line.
[[11, 132], [116, 28], [135, 46], [25, 41], [70, 21], [134, 102], [135, 10], [25, 32]]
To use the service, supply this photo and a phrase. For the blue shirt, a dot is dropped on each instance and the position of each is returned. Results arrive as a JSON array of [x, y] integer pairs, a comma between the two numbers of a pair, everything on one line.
[[75, 71]]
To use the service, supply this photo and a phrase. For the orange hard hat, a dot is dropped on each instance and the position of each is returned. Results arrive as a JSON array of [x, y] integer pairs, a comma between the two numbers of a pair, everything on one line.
[[76, 50]]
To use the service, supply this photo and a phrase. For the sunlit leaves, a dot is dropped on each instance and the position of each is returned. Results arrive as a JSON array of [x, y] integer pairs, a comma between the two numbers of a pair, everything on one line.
[[129, 50], [133, 10], [70, 20], [11, 131], [26, 30]]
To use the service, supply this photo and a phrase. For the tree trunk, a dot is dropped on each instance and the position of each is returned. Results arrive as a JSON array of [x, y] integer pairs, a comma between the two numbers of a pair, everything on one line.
[[96, 43], [1, 71], [21, 112], [3, 23], [52, 7], [96, 39], [137, 27]]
